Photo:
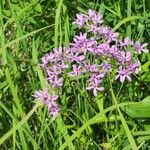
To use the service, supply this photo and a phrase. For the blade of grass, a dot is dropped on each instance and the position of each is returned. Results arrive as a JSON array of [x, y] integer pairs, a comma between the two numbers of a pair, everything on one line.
[[66, 25], [36, 64], [20, 13], [127, 20], [112, 11], [18, 125], [25, 130], [4, 60], [93, 120], [57, 21], [17, 109], [128, 132], [25, 36], [129, 3]]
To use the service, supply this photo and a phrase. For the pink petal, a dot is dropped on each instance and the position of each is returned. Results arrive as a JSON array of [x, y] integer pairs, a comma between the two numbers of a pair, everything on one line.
[[129, 78], [54, 98], [95, 92], [145, 50], [100, 89], [122, 78], [144, 45], [89, 88]]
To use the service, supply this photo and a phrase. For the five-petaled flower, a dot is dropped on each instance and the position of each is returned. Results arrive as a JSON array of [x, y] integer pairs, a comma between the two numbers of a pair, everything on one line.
[[140, 48]]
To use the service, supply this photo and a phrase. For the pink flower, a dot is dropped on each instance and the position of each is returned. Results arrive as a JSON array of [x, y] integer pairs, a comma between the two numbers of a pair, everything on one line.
[[76, 57], [95, 17], [94, 83], [76, 70], [58, 53], [140, 48], [48, 100], [80, 20], [123, 73], [42, 96], [95, 89], [92, 68], [126, 42], [124, 57], [58, 82], [46, 59]]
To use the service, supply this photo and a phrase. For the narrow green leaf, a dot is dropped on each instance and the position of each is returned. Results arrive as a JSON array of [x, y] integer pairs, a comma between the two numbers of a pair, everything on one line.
[[127, 20], [9, 133]]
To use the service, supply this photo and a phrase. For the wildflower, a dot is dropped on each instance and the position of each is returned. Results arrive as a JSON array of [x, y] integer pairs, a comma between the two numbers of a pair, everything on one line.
[[104, 31], [57, 82], [96, 78], [114, 51], [106, 67], [42, 96], [58, 52], [92, 68], [55, 70], [76, 57], [108, 33], [81, 38], [77, 70], [105, 50], [94, 82], [124, 57], [134, 67], [123, 73], [82, 44], [95, 88], [112, 36], [53, 107], [126, 42], [62, 65], [54, 111], [94, 28], [48, 100], [140, 48], [46, 59], [80, 20], [94, 17]]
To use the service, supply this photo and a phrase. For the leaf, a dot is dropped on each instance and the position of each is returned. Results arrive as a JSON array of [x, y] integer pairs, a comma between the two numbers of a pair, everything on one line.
[[146, 66], [139, 109], [146, 100], [131, 18], [38, 8], [15, 7]]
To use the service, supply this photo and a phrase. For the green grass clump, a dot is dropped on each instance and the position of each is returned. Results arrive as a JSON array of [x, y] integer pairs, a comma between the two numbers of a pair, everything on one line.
[[116, 120]]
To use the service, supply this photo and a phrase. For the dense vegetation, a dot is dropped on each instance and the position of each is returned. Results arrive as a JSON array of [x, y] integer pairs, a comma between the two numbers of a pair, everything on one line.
[[115, 118]]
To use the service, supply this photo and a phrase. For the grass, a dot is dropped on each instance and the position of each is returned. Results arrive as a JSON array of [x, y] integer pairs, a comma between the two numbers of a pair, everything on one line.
[[29, 29]]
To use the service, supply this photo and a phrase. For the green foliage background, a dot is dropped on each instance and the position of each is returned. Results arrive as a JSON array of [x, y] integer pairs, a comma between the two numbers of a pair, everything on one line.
[[116, 120]]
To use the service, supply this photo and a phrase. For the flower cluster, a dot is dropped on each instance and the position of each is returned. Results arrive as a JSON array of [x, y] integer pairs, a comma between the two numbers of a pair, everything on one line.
[[96, 51], [53, 64], [48, 100]]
